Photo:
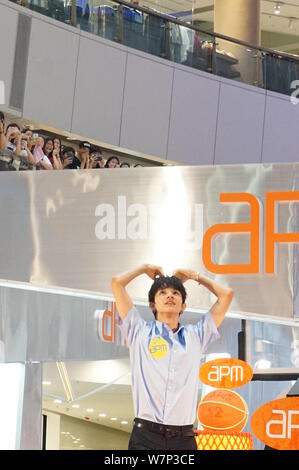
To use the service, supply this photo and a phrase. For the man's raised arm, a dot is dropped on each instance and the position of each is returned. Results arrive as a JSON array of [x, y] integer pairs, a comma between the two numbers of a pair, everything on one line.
[[120, 281], [224, 294]]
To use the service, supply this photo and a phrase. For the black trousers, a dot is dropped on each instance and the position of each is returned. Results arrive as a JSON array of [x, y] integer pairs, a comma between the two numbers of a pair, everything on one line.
[[144, 437]]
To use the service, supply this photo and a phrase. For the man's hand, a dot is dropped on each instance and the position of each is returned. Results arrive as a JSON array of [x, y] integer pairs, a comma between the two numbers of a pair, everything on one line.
[[185, 274], [153, 271], [119, 283]]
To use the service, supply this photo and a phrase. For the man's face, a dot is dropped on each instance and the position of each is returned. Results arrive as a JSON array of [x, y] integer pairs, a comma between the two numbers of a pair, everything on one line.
[[168, 301]]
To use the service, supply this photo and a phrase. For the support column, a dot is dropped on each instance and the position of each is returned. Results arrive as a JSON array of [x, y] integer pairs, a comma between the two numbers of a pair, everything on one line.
[[240, 19], [31, 425]]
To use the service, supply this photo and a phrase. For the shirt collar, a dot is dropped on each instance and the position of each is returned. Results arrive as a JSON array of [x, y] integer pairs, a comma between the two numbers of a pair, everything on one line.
[[161, 325]]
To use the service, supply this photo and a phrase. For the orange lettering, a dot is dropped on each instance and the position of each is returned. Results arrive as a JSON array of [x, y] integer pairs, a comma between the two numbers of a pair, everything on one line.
[[272, 237], [252, 228], [113, 323]]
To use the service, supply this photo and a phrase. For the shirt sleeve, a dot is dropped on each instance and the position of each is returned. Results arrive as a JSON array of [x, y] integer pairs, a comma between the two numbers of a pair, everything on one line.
[[206, 331], [131, 325]]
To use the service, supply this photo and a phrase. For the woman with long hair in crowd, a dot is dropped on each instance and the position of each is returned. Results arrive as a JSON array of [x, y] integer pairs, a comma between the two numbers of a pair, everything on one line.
[[51, 153], [56, 154]]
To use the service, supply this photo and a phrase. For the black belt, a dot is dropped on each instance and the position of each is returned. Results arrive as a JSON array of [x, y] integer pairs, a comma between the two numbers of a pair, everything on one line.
[[165, 429]]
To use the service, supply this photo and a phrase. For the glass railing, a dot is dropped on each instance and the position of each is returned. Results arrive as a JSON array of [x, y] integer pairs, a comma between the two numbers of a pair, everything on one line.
[[166, 37]]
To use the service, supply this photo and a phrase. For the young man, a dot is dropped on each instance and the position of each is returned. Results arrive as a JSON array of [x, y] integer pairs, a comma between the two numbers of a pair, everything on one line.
[[165, 356]]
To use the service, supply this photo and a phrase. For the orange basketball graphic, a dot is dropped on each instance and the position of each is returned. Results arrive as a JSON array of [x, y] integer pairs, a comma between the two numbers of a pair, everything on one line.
[[223, 410]]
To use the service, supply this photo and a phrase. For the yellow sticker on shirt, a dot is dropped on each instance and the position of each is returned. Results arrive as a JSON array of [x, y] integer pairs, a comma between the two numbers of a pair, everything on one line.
[[158, 347]]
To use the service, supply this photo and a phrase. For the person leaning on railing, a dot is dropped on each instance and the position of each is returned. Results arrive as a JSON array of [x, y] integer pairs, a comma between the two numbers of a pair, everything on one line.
[[26, 150]]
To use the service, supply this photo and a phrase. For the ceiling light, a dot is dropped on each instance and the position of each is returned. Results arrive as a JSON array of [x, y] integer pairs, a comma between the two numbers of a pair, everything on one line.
[[113, 419], [90, 410], [82, 445], [124, 422], [47, 382], [57, 401], [75, 406], [102, 415], [277, 9]]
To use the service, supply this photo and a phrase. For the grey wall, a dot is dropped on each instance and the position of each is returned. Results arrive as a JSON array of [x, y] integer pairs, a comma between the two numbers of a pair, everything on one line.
[[80, 83]]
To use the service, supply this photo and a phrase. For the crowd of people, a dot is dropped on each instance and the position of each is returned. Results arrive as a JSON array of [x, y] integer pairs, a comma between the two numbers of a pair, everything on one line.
[[48, 153]]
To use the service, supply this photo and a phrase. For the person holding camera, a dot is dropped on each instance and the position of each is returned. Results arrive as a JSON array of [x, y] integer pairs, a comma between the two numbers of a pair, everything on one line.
[[13, 139], [69, 159], [26, 150], [41, 160], [82, 161], [96, 159]]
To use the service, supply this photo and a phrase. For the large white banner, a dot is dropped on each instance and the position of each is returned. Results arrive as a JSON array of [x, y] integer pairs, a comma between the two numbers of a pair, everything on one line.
[[238, 224]]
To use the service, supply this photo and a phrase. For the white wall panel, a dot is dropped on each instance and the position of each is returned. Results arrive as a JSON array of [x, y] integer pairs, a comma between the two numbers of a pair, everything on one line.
[[110, 93], [99, 91], [193, 119], [281, 134], [146, 109], [51, 74], [240, 125], [8, 28]]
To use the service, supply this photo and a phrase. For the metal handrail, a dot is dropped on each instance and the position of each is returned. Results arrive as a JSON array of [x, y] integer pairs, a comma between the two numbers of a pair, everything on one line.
[[203, 31], [171, 19]]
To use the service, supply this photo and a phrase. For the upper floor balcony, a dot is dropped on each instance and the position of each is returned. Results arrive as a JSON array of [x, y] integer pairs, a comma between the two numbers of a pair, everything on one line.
[[167, 37]]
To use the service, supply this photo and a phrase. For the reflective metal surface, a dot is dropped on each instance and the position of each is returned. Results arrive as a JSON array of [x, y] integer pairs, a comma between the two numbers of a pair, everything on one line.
[[32, 407], [76, 229]]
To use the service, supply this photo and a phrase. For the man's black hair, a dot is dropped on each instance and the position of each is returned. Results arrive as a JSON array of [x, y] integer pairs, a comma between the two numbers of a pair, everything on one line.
[[68, 150], [162, 282]]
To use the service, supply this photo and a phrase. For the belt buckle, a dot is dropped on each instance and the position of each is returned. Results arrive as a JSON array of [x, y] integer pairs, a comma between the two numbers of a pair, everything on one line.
[[171, 432]]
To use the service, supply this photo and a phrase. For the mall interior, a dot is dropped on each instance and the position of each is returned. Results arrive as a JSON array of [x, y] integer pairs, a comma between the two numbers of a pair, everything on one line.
[[162, 92]]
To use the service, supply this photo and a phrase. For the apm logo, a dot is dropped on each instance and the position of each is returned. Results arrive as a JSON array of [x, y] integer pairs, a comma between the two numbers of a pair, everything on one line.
[[225, 373], [107, 326], [277, 423], [2, 92]]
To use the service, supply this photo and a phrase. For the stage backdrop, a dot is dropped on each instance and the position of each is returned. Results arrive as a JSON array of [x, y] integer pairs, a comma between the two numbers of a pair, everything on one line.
[[236, 224]]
